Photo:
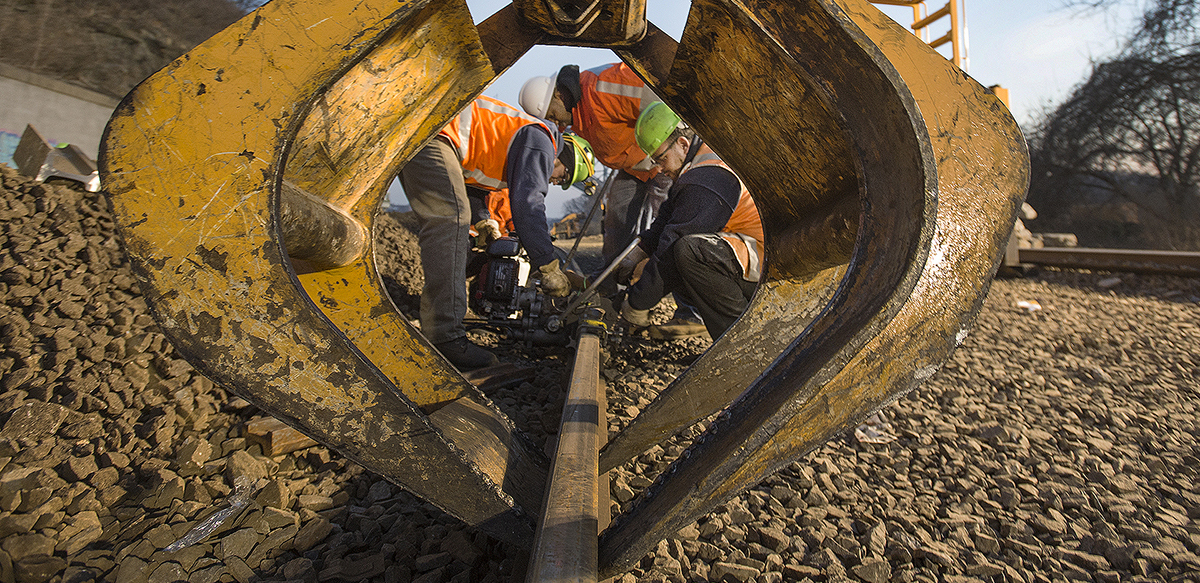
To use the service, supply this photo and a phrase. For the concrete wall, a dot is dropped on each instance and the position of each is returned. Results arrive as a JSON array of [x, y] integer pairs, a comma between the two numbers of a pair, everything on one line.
[[62, 113]]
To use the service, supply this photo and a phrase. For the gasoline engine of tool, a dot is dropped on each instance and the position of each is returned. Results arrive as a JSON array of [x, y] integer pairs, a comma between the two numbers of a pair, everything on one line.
[[509, 299]]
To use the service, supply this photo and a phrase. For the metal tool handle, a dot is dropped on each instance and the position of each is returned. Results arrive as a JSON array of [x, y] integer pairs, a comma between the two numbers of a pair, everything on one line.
[[591, 289], [600, 194]]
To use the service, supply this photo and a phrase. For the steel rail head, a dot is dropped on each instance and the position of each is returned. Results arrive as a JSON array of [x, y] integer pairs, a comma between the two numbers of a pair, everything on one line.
[[566, 540]]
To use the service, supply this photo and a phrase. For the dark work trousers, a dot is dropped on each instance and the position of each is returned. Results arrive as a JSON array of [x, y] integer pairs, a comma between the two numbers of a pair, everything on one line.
[[433, 183], [707, 275]]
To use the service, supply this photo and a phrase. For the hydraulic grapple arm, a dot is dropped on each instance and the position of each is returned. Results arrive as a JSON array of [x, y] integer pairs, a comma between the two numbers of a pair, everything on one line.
[[246, 176]]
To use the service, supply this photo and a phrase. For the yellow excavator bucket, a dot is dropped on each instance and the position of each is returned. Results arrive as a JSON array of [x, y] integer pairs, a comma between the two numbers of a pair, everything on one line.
[[246, 176]]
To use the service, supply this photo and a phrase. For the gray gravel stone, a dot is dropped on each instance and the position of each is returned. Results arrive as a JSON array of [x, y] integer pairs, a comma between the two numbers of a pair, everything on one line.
[[76, 469], [38, 568], [167, 573], [34, 420], [241, 464], [314, 502], [28, 545], [873, 571], [312, 532], [741, 573], [238, 544]]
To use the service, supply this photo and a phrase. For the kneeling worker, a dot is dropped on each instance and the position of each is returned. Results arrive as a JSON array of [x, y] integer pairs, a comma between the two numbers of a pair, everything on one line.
[[489, 146], [706, 243]]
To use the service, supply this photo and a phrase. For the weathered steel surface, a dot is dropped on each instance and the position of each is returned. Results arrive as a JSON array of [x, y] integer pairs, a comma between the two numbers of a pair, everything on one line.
[[1185, 263], [194, 160], [586, 22], [566, 540], [939, 171], [887, 179], [317, 232]]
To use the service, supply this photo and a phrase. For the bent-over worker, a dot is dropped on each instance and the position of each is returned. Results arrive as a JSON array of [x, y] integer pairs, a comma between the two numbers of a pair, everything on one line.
[[603, 105], [706, 244], [489, 146]]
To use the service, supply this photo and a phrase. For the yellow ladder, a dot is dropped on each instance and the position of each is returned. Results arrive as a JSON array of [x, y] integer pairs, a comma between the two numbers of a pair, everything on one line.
[[922, 19]]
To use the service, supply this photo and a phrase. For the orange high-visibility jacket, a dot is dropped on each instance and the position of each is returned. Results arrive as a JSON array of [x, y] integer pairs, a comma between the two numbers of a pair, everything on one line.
[[481, 135], [498, 208], [613, 97], [743, 231]]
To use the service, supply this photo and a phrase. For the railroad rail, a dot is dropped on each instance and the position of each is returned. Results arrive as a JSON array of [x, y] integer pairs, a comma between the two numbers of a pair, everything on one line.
[[575, 511], [1184, 263]]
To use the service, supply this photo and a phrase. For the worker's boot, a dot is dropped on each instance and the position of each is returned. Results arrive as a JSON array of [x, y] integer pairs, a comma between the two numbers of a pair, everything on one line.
[[465, 355], [676, 328]]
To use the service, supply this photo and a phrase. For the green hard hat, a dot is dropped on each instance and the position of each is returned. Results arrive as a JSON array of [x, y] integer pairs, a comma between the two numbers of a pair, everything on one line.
[[584, 161], [654, 126]]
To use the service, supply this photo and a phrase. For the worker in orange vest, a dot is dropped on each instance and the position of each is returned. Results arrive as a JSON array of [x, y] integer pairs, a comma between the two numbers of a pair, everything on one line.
[[603, 105], [706, 244], [489, 146]]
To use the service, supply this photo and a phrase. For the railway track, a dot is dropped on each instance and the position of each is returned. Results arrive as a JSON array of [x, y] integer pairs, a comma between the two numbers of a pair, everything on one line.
[[1086, 407], [1184, 263]]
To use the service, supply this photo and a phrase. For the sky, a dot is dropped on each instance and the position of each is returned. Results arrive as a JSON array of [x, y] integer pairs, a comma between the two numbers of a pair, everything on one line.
[[1037, 49]]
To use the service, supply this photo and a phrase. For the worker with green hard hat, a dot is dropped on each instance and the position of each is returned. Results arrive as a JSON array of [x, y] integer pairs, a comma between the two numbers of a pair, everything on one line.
[[602, 104], [489, 146], [706, 245]]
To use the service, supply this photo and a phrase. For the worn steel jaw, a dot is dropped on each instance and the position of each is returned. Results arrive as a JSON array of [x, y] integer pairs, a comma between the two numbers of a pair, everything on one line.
[[246, 176]]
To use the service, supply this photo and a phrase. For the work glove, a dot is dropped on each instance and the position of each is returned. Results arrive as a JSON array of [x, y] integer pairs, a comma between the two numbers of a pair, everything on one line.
[[489, 230], [625, 269], [554, 282], [635, 317], [578, 282]]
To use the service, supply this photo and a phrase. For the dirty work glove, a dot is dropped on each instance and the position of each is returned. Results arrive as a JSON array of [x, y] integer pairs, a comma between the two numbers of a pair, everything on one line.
[[489, 230], [554, 282], [578, 282], [624, 271], [637, 318]]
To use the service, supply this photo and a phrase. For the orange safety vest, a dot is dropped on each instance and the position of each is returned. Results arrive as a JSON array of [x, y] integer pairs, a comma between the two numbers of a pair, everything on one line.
[[613, 98], [743, 231], [481, 135]]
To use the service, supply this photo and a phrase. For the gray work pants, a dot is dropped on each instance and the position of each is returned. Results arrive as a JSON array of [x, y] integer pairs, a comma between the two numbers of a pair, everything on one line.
[[433, 183], [629, 209]]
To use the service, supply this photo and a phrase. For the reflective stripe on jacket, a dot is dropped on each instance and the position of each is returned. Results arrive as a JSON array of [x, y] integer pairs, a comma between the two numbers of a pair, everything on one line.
[[613, 98], [744, 231], [481, 135]]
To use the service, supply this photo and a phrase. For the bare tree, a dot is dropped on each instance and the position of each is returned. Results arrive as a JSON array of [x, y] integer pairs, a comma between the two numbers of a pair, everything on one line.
[[1133, 115], [1166, 25], [1129, 135]]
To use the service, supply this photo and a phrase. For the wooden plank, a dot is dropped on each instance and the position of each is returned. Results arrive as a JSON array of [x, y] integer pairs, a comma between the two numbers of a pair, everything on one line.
[[276, 437]]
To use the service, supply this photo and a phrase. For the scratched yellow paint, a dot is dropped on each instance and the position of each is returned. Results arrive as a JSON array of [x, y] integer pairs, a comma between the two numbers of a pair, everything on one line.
[[347, 152], [982, 174], [191, 161]]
